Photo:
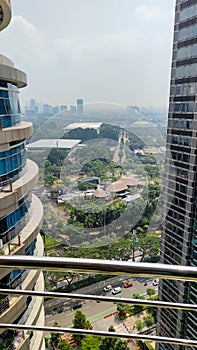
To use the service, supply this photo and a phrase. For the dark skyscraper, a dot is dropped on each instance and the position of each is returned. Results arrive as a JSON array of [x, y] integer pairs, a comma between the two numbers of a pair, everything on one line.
[[179, 238], [80, 106]]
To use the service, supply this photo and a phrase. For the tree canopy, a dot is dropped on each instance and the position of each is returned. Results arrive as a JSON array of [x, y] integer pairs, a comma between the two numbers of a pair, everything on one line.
[[149, 244], [90, 343], [80, 322], [108, 343], [63, 345]]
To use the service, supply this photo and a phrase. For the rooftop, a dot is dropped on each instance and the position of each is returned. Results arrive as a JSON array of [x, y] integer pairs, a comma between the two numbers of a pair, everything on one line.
[[53, 143], [100, 193], [72, 126], [89, 179], [116, 186], [129, 181]]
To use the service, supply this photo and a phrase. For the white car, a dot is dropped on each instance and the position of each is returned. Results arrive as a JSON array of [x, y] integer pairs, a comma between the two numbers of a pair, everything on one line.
[[156, 282], [116, 290], [109, 287]]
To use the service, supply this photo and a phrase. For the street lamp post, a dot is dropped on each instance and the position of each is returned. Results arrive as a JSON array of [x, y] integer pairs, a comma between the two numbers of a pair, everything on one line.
[[134, 240]]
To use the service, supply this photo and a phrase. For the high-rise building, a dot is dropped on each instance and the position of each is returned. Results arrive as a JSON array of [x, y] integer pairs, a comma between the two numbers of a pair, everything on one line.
[[32, 103], [179, 237], [46, 109], [79, 106], [73, 109], [55, 109], [63, 108], [20, 210]]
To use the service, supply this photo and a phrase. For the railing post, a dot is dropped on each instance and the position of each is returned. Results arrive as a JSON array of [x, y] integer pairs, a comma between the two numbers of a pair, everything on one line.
[[11, 188]]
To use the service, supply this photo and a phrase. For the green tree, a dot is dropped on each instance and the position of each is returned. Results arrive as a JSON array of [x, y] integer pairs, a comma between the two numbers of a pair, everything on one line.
[[51, 173], [81, 134], [149, 320], [150, 291], [108, 343], [138, 308], [139, 325], [109, 131], [120, 345], [55, 335], [149, 245], [153, 310], [122, 312], [49, 179], [63, 345], [56, 156], [88, 221], [83, 186], [80, 322], [90, 343]]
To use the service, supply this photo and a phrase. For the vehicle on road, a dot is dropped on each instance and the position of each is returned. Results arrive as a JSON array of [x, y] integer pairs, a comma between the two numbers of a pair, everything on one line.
[[156, 282], [77, 306], [107, 288], [116, 290], [128, 284]]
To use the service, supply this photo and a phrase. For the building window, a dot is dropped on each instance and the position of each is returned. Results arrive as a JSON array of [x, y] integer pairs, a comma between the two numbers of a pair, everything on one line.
[[187, 52], [188, 12], [184, 107], [12, 161], [185, 89]]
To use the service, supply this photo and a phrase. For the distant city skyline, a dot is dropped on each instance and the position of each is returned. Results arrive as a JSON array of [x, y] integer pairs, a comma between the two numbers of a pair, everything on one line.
[[111, 51], [35, 107]]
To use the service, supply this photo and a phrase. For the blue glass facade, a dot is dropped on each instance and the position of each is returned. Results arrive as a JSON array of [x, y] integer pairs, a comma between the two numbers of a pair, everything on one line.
[[13, 223], [18, 231], [9, 105], [16, 277], [12, 162]]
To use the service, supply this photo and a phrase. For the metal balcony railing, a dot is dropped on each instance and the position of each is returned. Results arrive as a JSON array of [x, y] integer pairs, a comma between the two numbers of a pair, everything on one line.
[[4, 304], [171, 272]]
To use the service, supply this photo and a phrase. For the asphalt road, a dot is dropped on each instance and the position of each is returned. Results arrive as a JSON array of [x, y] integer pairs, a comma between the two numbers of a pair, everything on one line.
[[94, 310], [53, 305]]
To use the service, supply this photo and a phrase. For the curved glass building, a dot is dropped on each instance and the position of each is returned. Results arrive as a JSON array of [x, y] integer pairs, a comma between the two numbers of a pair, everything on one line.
[[5, 13], [20, 210]]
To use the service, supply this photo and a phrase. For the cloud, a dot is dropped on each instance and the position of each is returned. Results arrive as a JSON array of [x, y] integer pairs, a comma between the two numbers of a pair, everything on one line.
[[119, 63], [146, 13], [27, 46], [22, 24]]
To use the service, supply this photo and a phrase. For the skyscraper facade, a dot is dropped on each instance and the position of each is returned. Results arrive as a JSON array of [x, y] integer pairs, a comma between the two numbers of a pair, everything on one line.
[[20, 210], [179, 237], [79, 106]]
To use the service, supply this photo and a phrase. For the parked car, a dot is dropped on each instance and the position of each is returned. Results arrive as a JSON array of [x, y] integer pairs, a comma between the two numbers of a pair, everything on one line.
[[116, 290], [77, 306], [109, 287], [128, 284], [156, 282]]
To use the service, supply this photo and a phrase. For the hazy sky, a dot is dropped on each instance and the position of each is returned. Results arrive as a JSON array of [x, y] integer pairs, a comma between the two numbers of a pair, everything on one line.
[[101, 50]]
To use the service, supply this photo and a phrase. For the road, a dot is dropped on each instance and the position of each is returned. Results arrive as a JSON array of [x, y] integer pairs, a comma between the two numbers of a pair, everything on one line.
[[96, 289], [95, 311]]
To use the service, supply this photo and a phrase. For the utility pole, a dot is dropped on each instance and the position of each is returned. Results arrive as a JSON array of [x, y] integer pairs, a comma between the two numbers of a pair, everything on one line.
[[134, 240]]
